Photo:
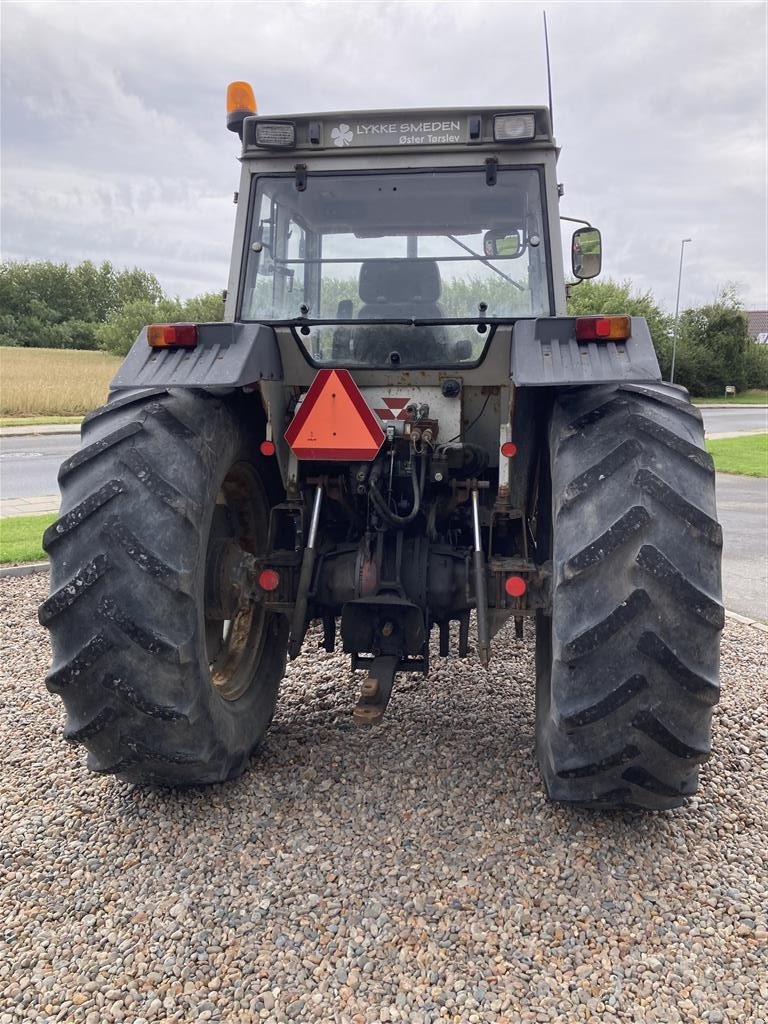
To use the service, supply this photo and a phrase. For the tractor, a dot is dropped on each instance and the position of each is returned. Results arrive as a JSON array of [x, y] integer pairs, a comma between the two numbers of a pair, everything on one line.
[[397, 429]]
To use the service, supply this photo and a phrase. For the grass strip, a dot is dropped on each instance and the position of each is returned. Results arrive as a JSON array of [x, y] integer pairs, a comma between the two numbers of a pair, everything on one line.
[[753, 397], [21, 538], [747, 456], [38, 421]]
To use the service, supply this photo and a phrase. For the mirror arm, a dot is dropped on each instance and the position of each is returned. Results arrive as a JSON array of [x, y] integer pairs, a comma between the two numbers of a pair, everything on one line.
[[577, 220]]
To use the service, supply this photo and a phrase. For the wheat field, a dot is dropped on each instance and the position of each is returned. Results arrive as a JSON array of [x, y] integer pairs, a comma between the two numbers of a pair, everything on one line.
[[52, 381]]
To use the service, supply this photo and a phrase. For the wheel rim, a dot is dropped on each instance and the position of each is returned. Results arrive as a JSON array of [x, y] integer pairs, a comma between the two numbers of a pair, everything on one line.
[[235, 626]]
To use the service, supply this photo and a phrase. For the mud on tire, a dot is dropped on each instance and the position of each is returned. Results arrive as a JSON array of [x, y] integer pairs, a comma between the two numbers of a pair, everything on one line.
[[628, 666], [136, 660]]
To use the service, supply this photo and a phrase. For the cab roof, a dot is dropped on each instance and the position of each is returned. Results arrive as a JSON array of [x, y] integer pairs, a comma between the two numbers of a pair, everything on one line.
[[432, 128]]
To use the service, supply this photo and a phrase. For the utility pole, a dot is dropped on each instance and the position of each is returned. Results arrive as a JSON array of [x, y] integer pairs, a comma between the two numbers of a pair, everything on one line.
[[677, 311]]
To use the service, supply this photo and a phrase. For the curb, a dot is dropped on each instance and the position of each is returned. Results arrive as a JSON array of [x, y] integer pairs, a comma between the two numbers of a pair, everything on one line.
[[32, 430], [744, 621], [734, 433], [36, 567], [16, 507], [23, 570]]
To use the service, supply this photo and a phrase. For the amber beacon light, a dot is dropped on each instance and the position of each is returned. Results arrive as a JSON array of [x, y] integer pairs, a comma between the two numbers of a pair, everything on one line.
[[241, 103]]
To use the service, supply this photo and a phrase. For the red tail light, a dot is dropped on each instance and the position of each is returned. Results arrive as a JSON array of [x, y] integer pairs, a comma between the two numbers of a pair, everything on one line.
[[603, 328], [515, 586], [267, 447], [509, 449], [172, 335], [269, 580]]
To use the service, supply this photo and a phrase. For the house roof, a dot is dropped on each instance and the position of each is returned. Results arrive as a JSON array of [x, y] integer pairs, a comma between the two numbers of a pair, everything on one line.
[[757, 323]]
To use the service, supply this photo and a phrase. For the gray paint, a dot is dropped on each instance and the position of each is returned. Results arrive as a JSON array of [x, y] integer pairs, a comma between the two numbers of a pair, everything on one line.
[[545, 352], [226, 355]]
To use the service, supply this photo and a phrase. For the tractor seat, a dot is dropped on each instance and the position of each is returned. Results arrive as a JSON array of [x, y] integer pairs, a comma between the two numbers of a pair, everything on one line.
[[399, 288]]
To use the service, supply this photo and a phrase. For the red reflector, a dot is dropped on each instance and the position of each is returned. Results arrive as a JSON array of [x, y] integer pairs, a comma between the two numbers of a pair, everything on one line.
[[269, 579], [334, 421], [509, 449], [267, 448], [515, 586], [603, 328], [172, 335]]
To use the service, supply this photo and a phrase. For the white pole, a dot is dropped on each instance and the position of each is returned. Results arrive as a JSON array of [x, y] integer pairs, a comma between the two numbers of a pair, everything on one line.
[[677, 311]]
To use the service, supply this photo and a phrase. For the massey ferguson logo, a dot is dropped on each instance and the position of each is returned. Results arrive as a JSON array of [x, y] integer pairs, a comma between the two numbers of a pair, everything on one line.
[[342, 136], [395, 409]]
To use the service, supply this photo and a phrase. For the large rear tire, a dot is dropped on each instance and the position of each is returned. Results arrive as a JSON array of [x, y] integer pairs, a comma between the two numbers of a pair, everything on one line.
[[157, 682], [628, 664]]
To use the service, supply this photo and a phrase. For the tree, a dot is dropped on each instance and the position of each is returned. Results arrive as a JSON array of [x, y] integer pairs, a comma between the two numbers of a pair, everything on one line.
[[53, 305], [123, 326], [202, 309], [713, 348]]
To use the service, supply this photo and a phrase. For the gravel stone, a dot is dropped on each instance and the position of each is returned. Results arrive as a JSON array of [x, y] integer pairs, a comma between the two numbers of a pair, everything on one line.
[[414, 872]]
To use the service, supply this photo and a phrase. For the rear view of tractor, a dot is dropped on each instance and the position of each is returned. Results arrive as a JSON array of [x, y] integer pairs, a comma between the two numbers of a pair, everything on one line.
[[396, 430]]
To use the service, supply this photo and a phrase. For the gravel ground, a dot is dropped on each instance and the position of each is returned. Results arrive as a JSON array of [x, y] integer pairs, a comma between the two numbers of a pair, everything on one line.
[[411, 873]]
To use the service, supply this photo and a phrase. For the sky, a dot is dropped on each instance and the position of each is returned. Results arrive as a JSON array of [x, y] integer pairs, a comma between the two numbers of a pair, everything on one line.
[[114, 144]]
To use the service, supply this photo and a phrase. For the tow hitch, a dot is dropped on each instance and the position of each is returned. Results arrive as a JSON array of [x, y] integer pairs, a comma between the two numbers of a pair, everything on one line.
[[376, 690]]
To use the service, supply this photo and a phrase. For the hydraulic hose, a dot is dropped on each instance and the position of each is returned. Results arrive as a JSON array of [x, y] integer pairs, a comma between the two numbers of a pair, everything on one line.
[[418, 489]]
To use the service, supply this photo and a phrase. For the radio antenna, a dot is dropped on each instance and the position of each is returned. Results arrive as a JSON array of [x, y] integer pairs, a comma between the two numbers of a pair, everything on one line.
[[549, 75]]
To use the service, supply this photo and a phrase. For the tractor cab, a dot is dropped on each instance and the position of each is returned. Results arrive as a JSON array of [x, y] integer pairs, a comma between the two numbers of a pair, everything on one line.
[[397, 238]]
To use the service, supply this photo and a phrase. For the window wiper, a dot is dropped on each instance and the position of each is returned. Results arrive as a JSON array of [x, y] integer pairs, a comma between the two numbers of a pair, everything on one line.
[[487, 262]]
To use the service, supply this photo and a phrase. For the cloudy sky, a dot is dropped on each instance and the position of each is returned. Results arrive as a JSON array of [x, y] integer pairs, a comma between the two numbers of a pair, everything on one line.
[[114, 143]]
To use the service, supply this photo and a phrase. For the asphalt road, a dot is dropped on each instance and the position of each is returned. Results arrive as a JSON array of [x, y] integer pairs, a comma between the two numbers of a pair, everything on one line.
[[736, 420], [742, 508], [29, 464]]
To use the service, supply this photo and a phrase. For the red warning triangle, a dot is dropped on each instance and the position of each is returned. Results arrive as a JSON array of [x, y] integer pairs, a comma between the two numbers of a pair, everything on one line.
[[334, 421]]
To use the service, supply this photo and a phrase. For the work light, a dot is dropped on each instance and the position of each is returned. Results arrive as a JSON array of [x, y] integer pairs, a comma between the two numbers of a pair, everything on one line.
[[275, 136], [513, 127]]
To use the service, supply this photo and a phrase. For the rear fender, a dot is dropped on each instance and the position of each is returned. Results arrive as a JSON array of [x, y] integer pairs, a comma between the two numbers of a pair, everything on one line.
[[227, 355], [545, 352]]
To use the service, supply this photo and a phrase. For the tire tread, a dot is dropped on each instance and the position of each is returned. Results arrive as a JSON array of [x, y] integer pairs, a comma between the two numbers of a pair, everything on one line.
[[624, 703]]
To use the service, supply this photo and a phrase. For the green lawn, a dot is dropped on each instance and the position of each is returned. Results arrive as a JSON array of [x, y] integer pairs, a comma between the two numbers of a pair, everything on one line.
[[37, 421], [21, 538], [753, 397], [745, 455]]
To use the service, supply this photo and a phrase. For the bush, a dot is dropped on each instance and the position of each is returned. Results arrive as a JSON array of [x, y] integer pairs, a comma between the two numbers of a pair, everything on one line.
[[712, 350], [756, 364], [123, 327]]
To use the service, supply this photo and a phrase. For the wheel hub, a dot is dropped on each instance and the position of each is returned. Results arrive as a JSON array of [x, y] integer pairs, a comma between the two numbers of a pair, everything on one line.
[[227, 574]]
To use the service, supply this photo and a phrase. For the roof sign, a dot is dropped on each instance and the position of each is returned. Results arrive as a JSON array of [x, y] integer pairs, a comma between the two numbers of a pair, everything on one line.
[[428, 131], [334, 421]]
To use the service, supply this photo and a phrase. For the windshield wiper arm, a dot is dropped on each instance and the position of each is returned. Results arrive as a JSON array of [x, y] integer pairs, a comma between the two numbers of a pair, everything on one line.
[[487, 262]]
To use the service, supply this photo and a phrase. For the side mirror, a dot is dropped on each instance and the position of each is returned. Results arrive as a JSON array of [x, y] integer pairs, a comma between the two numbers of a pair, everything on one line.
[[501, 243], [586, 253]]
